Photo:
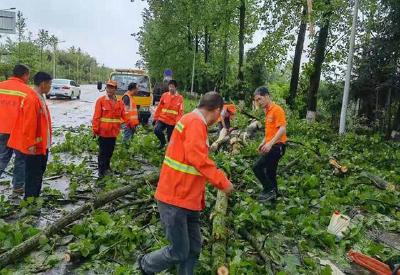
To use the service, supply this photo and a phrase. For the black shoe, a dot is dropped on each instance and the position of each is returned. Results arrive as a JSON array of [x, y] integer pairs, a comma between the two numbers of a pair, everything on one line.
[[140, 266], [267, 196]]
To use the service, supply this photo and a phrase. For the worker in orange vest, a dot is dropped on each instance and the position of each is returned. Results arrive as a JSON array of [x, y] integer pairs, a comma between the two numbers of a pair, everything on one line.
[[168, 113], [32, 134], [131, 112], [181, 188], [227, 114], [12, 93], [106, 124], [273, 146]]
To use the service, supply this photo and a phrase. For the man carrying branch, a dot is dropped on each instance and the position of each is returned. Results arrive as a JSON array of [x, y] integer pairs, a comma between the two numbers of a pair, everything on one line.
[[181, 189]]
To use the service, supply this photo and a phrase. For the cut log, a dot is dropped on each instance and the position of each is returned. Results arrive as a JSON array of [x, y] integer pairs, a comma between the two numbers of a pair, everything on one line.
[[17, 252], [72, 256], [222, 138], [219, 232], [236, 138], [379, 182], [223, 270], [251, 130], [341, 169]]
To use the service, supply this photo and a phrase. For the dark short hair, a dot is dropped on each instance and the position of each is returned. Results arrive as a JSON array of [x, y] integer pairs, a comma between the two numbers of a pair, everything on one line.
[[132, 86], [40, 77], [20, 70], [211, 101], [173, 82], [263, 91]]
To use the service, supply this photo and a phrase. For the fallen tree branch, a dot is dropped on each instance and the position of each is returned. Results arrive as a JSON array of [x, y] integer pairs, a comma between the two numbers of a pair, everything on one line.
[[17, 252], [289, 165], [53, 177], [132, 203], [378, 181], [219, 233], [315, 151], [254, 243]]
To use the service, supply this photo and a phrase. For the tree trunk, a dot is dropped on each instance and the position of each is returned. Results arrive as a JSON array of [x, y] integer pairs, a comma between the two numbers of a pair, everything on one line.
[[219, 232], [396, 124], [17, 252], [189, 38], [206, 45], [197, 43], [389, 114], [294, 81], [316, 73], [242, 15], [41, 57], [225, 65], [225, 47]]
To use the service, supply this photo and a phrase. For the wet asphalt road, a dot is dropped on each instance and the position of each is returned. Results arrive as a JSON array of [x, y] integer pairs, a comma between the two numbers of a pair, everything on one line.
[[72, 113], [64, 113]]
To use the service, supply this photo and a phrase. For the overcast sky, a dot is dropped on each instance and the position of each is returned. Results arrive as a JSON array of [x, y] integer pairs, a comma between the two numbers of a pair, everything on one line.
[[101, 28]]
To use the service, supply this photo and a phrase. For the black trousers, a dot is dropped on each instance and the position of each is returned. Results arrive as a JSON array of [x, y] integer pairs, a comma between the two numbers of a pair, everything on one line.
[[266, 166], [35, 166], [159, 131], [106, 150], [227, 124]]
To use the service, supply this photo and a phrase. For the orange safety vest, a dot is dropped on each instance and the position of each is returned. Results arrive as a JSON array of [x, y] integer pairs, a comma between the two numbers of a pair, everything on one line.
[[131, 114], [170, 108], [108, 116], [12, 93], [187, 167], [230, 108], [32, 127]]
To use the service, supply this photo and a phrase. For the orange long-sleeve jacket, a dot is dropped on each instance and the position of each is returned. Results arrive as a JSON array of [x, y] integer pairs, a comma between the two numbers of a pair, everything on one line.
[[170, 108], [12, 93], [187, 167], [108, 116], [32, 132]]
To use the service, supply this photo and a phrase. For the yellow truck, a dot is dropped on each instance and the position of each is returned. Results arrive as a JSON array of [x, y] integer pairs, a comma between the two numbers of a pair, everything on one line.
[[144, 99]]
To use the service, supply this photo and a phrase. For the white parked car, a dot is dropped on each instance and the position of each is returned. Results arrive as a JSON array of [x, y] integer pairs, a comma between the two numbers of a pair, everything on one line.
[[64, 88]]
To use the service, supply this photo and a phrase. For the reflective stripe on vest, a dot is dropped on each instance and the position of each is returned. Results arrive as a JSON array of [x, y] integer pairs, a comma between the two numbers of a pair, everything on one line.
[[179, 126], [181, 167], [12, 92], [110, 120], [168, 111]]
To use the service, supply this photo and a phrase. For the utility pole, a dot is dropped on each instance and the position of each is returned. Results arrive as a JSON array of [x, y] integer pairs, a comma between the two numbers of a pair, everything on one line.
[[342, 125], [55, 43], [77, 69]]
